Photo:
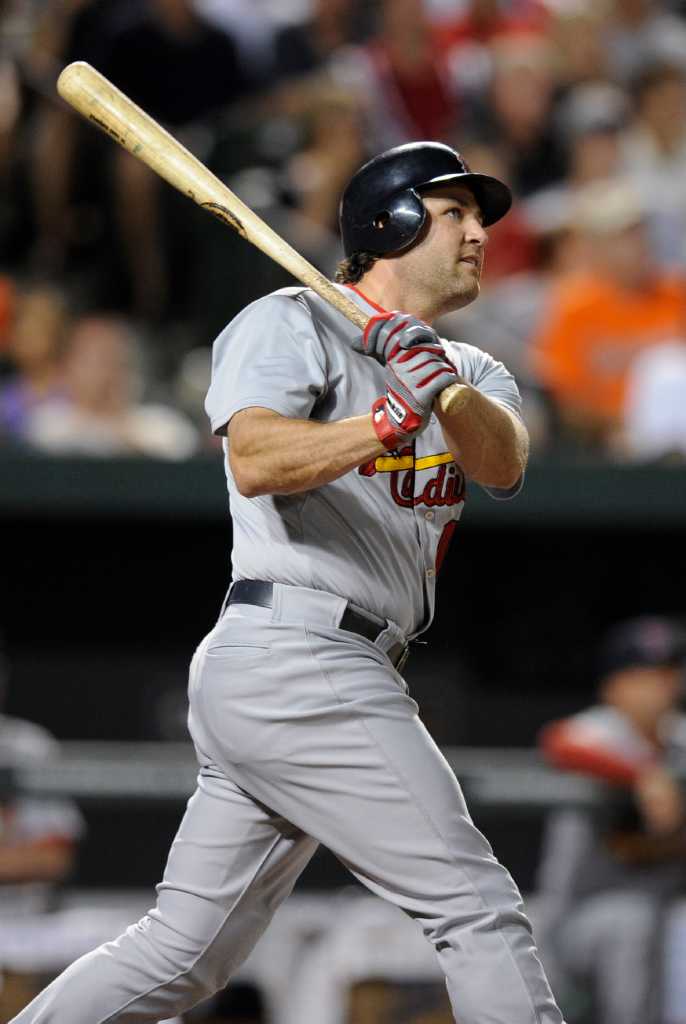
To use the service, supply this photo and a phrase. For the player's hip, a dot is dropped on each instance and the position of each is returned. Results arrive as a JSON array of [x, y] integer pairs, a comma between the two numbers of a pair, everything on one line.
[[254, 682]]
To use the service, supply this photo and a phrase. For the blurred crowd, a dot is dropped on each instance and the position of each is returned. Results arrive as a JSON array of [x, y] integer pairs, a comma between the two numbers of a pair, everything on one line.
[[113, 286]]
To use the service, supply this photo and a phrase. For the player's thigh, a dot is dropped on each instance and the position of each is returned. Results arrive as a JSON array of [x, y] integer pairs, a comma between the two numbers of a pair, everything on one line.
[[231, 864], [365, 778]]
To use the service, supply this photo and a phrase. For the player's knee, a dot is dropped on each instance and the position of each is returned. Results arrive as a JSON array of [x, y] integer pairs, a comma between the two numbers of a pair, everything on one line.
[[448, 932], [210, 972]]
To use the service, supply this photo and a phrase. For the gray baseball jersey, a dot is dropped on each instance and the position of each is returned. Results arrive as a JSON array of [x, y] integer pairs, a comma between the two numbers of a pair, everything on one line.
[[292, 353]]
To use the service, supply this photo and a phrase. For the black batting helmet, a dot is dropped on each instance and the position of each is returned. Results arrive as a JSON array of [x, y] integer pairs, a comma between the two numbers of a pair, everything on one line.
[[381, 210]]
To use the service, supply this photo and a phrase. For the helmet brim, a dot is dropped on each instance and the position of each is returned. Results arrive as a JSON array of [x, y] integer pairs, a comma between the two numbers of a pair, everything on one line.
[[493, 196]]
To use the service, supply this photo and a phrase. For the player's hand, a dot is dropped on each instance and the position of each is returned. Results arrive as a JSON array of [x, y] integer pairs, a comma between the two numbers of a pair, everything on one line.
[[414, 377], [387, 333]]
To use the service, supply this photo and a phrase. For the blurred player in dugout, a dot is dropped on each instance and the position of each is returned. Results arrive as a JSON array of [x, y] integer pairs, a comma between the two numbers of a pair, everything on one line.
[[609, 876], [38, 840]]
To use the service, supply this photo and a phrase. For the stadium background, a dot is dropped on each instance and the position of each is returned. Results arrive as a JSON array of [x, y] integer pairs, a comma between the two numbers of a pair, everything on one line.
[[115, 554]]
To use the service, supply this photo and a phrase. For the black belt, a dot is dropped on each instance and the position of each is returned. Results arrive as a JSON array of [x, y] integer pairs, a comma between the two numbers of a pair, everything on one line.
[[261, 593]]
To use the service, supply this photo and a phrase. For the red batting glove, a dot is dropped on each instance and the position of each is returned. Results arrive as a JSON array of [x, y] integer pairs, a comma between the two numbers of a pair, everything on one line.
[[414, 377]]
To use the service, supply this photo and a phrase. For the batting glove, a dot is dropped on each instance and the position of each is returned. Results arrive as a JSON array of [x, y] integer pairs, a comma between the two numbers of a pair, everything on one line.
[[387, 333], [414, 377]]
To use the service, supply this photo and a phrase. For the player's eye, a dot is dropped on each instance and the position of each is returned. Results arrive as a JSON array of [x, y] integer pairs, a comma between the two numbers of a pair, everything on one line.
[[455, 212]]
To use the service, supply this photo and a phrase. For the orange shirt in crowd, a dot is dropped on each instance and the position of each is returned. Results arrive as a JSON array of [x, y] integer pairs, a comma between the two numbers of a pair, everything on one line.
[[591, 333]]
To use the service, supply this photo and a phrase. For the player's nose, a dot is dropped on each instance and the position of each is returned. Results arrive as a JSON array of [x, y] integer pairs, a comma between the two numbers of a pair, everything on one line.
[[474, 231]]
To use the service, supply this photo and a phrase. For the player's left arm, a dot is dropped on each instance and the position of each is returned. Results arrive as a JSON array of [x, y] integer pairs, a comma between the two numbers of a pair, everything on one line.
[[484, 431], [488, 441]]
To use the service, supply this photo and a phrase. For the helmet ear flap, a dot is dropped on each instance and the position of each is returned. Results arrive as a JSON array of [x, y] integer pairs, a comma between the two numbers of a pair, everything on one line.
[[404, 216], [396, 224]]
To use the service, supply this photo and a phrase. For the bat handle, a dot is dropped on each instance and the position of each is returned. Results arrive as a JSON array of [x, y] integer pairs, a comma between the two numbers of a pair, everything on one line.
[[452, 398]]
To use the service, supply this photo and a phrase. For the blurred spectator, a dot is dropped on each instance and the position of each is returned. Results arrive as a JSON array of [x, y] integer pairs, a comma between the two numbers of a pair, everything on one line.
[[511, 242], [577, 32], [536, 90], [483, 21], [317, 174], [38, 837], [196, 65], [252, 27], [7, 303], [509, 314], [182, 70], [599, 320], [402, 78], [639, 32], [299, 200], [589, 121], [516, 114], [10, 105], [306, 46], [197, 73], [467, 35], [36, 342], [654, 153], [607, 878], [66, 158], [100, 412], [655, 409]]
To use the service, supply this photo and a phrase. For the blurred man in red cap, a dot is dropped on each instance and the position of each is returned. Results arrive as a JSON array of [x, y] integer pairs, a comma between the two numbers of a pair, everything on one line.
[[608, 875]]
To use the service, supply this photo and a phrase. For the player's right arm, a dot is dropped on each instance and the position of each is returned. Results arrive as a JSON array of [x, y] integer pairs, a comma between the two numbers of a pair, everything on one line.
[[274, 454], [269, 371]]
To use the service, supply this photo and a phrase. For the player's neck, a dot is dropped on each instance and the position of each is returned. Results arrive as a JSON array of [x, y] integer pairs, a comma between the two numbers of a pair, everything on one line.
[[382, 286]]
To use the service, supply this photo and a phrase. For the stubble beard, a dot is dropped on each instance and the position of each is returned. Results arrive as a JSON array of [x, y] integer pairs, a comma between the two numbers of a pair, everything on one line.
[[458, 287], [442, 289]]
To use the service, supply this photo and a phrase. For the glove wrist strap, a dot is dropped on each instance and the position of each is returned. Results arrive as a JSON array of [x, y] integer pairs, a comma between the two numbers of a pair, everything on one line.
[[385, 432]]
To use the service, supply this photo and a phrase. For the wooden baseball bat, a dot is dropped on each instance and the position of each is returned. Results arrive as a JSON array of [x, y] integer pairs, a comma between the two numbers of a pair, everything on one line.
[[107, 107]]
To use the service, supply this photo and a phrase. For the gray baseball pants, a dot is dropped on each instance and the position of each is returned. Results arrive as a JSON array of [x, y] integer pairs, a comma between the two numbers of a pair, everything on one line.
[[304, 734]]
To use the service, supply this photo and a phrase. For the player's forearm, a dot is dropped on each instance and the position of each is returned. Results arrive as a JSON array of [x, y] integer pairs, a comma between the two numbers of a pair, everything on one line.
[[272, 454], [490, 444]]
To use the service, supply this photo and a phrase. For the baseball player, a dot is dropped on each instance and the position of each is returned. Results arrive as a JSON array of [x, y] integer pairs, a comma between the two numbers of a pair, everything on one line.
[[345, 487], [609, 876]]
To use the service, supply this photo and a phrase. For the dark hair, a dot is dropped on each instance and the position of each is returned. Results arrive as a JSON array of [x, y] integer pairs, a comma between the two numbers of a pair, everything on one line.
[[353, 268]]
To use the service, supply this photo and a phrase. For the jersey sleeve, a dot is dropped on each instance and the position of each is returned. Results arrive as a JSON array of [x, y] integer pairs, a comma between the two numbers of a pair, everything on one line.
[[598, 744], [271, 356], [486, 374], [493, 379]]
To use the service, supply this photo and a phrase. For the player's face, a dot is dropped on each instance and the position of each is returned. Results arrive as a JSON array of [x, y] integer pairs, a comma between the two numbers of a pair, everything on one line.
[[645, 693], [448, 259]]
